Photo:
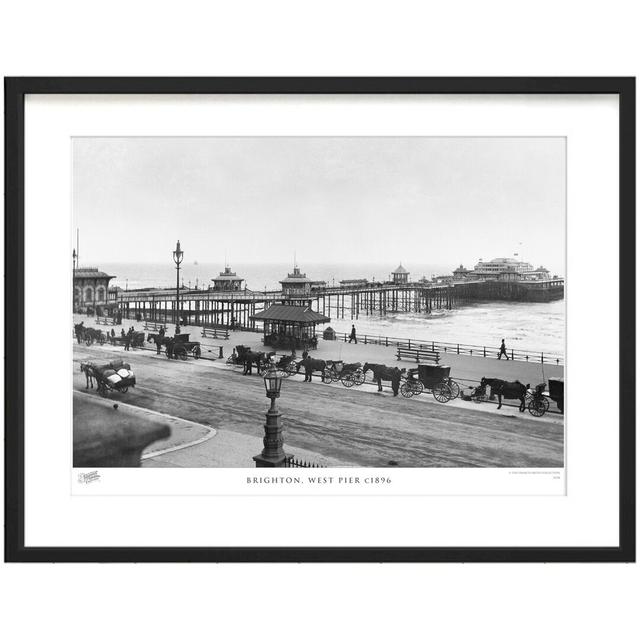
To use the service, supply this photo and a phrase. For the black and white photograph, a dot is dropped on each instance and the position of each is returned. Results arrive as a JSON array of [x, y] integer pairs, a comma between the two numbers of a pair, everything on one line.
[[318, 302]]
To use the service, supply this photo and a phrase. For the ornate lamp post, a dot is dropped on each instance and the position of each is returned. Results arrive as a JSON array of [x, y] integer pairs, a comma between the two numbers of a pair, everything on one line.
[[177, 258], [273, 454]]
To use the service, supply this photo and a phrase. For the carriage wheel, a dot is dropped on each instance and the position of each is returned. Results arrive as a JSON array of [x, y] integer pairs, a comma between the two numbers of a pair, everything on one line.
[[348, 380], [327, 378], [88, 342], [537, 407], [124, 389], [197, 352], [406, 390], [334, 375], [103, 391], [417, 387], [359, 377], [455, 389], [291, 369], [181, 353], [442, 392]]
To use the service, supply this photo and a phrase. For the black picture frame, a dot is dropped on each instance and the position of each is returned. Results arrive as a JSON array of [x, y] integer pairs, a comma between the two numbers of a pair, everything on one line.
[[15, 91]]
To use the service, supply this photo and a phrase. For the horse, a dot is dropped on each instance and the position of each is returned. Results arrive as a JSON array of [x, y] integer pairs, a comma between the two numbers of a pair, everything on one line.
[[87, 369], [310, 365], [509, 390], [248, 358], [91, 335], [159, 339], [79, 331], [382, 372]]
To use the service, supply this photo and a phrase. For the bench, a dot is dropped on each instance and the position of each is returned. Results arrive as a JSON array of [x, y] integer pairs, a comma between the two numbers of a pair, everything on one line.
[[215, 333], [154, 326], [418, 355]]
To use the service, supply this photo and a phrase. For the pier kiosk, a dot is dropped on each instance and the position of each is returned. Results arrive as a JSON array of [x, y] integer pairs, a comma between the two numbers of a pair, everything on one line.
[[289, 326]]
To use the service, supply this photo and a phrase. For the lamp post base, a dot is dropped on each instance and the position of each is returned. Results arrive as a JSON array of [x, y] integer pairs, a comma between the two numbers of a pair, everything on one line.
[[262, 461]]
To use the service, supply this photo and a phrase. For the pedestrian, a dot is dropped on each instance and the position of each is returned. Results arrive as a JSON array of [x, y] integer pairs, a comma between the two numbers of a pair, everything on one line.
[[352, 335], [503, 351], [127, 341]]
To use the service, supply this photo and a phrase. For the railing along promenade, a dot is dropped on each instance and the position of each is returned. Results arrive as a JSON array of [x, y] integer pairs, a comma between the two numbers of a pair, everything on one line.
[[454, 348]]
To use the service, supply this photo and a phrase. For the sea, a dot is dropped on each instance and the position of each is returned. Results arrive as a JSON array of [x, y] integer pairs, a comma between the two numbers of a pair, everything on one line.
[[531, 326]]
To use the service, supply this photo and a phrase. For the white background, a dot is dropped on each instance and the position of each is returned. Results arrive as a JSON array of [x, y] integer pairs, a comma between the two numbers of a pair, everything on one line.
[[483, 511], [490, 38]]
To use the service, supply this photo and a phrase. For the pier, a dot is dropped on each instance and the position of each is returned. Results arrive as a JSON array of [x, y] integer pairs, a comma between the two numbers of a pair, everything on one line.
[[234, 309]]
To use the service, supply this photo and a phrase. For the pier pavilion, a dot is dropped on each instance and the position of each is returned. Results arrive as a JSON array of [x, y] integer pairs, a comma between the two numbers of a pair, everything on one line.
[[296, 284], [400, 275], [227, 281], [288, 326]]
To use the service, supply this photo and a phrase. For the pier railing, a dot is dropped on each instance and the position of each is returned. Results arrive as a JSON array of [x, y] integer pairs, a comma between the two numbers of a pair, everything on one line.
[[456, 348]]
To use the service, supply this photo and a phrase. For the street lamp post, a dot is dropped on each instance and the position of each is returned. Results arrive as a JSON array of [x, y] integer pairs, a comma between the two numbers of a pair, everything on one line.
[[273, 454], [177, 258]]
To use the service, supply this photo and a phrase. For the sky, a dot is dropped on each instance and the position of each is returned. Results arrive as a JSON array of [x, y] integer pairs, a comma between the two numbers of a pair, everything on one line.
[[326, 199]]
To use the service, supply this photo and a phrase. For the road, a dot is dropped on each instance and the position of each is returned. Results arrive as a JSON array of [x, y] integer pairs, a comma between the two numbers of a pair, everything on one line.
[[360, 426]]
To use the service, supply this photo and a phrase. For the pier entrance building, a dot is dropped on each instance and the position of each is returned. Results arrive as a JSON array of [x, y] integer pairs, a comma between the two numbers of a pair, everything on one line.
[[90, 287]]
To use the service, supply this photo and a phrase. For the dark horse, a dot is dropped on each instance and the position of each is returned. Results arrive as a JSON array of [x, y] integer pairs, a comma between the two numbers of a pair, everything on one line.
[[382, 372], [94, 335], [159, 339], [79, 331], [508, 390], [310, 365], [248, 358]]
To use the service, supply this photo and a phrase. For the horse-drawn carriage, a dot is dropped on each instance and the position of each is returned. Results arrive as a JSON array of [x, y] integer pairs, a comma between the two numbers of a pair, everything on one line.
[[348, 374], [181, 347], [538, 403], [287, 364], [432, 377], [112, 376], [243, 355], [89, 335]]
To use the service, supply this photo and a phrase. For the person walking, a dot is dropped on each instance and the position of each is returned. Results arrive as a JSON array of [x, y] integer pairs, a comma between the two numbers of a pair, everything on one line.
[[352, 335], [503, 351], [127, 341]]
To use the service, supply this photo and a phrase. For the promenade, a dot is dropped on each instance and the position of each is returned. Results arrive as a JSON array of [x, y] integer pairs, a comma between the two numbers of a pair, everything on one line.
[[328, 424], [467, 369]]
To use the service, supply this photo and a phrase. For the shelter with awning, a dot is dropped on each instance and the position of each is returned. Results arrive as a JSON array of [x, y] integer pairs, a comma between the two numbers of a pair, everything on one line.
[[290, 326]]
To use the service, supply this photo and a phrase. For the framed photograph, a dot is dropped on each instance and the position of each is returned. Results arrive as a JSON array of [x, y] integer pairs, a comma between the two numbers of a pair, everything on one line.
[[320, 319]]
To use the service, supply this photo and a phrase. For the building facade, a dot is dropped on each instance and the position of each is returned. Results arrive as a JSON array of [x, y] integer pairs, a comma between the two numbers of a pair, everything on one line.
[[90, 289], [493, 268]]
